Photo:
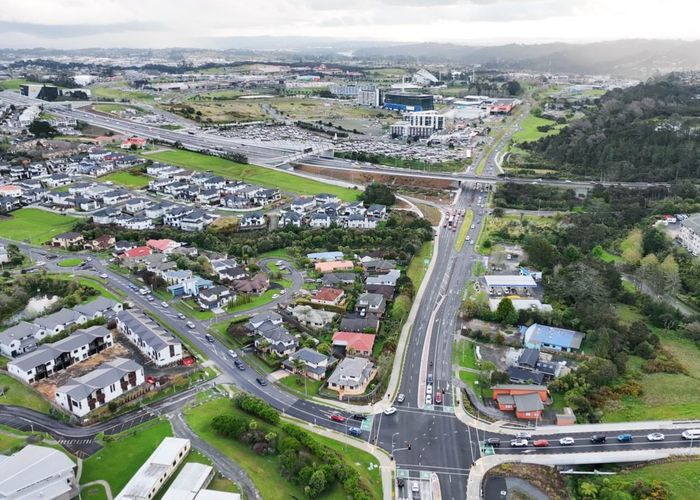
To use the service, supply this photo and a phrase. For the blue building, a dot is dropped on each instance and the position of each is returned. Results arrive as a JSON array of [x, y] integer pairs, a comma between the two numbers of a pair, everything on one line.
[[538, 336]]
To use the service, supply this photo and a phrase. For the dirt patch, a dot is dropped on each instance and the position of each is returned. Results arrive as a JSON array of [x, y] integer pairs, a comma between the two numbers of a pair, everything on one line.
[[547, 479], [368, 178]]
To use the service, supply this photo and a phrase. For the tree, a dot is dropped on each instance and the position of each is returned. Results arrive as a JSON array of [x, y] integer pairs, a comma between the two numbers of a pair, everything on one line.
[[653, 241], [540, 252], [514, 88], [317, 483], [588, 490], [506, 313], [670, 270], [42, 129], [228, 425], [378, 193]]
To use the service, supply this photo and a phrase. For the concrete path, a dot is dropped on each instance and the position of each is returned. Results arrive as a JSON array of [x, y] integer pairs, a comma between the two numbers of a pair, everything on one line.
[[222, 463], [100, 482]]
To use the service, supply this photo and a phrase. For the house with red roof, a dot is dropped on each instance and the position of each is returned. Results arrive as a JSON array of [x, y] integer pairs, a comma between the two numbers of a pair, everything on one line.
[[361, 343], [165, 246], [136, 253], [134, 143], [328, 296]]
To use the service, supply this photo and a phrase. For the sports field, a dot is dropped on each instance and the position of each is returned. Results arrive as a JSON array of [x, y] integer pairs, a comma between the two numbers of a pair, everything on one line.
[[252, 173], [34, 225]]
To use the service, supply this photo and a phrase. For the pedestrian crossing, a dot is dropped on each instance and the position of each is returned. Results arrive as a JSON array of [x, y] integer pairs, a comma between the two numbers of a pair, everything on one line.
[[74, 442]]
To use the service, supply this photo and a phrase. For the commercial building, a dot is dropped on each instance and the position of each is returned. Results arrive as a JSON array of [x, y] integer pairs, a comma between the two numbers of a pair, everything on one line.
[[156, 470], [150, 338], [105, 383], [37, 472], [191, 483], [419, 124], [538, 336], [689, 234], [407, 101], [371, 98]]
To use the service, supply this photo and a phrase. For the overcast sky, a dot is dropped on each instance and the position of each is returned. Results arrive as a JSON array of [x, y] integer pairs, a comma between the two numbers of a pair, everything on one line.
[[207, 23]]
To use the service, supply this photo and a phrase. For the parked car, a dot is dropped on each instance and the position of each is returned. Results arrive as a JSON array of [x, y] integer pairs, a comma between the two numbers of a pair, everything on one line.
[[355, 431], [429, 389], [523, 435], [596, 439], [495, 442], [540, 443], [430, 378], [150, 298], [261, 381], [400, 398], [390, 411], [566, 441], [624, 438], [518, 443], [655, 436], [359, 416], [104, 276], [337, 417], [438, 398]]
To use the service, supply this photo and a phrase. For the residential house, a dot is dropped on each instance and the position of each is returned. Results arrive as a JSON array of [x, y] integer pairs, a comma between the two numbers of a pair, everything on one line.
[[527, 401], [164, 246], [329, 267], [98, 387], [189, 287], [357, 323], [196, 220], [135, 253], [301, 205], [254, 220], [104, 242], [20, 338], [149, 337], [255, 285], [101, 307], [689, 234], [51, 358], [390, 278], [275, 339], [67, 240], [292, 219], [315, 363], [316, 319], [385, 291], [235, 202], [360, 222], [320, 220], [38, 472], [338, 279], [324, 256], [538, 336], [266, 197], [353, 343], [55, 323], [376, 211], [323, 198], [260, 318], [136, 205], [370, 303], [328, 297], [352, 376], [215, 297], [106, 216]]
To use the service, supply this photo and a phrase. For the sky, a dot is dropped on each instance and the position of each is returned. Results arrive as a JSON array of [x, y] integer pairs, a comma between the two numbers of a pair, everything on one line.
[[71, 24]]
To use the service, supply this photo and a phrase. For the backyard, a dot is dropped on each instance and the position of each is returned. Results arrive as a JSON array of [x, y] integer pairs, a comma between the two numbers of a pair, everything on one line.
[[35, 226], [252, 173]]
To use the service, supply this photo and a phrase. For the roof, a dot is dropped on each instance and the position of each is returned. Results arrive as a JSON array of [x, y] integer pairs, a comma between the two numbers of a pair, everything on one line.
[[62, 317], [102, 376], [138, 252], [389, 278], [324, 256], [359, 323], [543, 334], [99, 305], [34, 472], [308, 355], [351, 368], [162, 245], [18, 331], [70, 235], [528, 402], [265, 316], [363, 342], [519, 387], [371, 299], [518, 373], [529, 357], [327, 294], [191, 479], [147, 330], [325, 267], [516, 280]]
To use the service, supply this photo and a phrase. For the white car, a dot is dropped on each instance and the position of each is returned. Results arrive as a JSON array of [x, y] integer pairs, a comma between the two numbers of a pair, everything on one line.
[[232, 353], [429, 389], [190, 325], [518, 443], [104, 276], [276, 296], [390, 411], [655, 436], [428, 399], [567, 441], [164, 304]]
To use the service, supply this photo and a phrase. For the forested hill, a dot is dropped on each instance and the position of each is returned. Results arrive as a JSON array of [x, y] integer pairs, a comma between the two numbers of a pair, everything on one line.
[[649, 132]]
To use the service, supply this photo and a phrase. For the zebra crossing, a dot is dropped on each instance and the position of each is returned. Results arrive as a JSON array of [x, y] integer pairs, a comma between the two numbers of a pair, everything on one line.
[[74, 442]]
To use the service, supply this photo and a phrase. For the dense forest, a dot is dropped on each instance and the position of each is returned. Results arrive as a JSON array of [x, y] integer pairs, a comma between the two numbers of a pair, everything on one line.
[[649, 132]]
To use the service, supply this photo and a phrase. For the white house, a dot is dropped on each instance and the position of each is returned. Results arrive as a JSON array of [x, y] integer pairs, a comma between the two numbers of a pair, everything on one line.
[[150, 338], [20, 338], [55, 323], [315, 363], [38, 472], [99, 308], [313, 318]]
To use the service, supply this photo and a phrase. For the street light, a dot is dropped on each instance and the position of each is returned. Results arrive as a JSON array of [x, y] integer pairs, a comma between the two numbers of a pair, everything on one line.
[[392, 442]]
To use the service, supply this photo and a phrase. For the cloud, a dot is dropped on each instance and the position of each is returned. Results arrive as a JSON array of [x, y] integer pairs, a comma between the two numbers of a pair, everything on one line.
[[73, 30]]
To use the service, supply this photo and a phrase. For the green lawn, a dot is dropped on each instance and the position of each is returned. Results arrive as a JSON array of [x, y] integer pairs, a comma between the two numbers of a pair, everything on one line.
[[419, 264], [465, 354], [126, 178], [34, 225], [121, 458], [296, 384], [109, 108], [70, 262], [257, 301], [252, 173], [13, 84], [679, 478], [119, 91], [606, 256], [191, 309], [96, 283], [464, 229], [264, 470], [19, 394], [529, 130], [10, 443]]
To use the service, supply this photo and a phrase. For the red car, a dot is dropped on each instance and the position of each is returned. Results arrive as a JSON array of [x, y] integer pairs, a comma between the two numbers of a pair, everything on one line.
[[540, 443], [438, 398], [337, 418]]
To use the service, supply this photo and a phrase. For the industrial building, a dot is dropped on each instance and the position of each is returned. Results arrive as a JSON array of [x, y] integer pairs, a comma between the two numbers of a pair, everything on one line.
[[37, 472]]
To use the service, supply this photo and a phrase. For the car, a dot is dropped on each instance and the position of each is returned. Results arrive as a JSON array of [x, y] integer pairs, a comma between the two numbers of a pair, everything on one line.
[[239, 364], [400, 398], [429, 389], [655, 436], [415, 487], [359, 416], [89, 259], [566, 441], [133, 287], [428, 399], [104, 276], [495, 442], [181, 316], [279, 263], [438, 398], [518, 443], [337, 417], [209, 338], [390, 411], [261, 381], [150, 298], [190, 325], [282, 292], [430, 378], [624, 438], [540, 443], [596, 439], [164, 304], [143, 291], [355, 431], [691, 434], [523, 435], [276, 296]]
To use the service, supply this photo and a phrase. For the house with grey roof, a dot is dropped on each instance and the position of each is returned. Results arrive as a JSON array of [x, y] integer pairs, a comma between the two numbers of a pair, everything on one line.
[[149, 337], [260, 318], [370, 303], [20, 338], [389, 278], [101, 307], [51, 358], [38, 472], [105, 383], [316, 319], [275, 339], [315, 363], [55, 323], [352, 376], [361, 324]]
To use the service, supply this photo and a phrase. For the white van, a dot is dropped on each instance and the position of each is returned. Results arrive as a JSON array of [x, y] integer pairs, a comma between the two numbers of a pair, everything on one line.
[[691, 434]]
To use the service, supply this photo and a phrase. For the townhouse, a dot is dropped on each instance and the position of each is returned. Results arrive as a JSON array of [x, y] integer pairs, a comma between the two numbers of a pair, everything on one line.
[[151, 339]]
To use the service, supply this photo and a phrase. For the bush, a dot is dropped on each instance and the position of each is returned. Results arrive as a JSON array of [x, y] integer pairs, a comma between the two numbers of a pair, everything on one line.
[[257, 407], [229, 426]]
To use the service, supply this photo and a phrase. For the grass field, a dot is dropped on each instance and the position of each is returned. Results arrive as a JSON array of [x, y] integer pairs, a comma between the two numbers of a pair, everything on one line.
[[264, 470], [680, 478], [120, 459], [222, 110], [296, 384], [34, 225], [529, 130], [252, 173], [112, 108], [125, 178], [465, 355], [464, 229], [9, 443], [431, 213], [18, 394], [419, 264], [13, 84], [70, 262], [119, 91], [606, 256], [514, 226]]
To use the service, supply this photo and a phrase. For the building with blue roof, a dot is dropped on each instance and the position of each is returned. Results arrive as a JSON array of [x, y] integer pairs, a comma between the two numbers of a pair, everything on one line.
[[538, 336], [324, 256]]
